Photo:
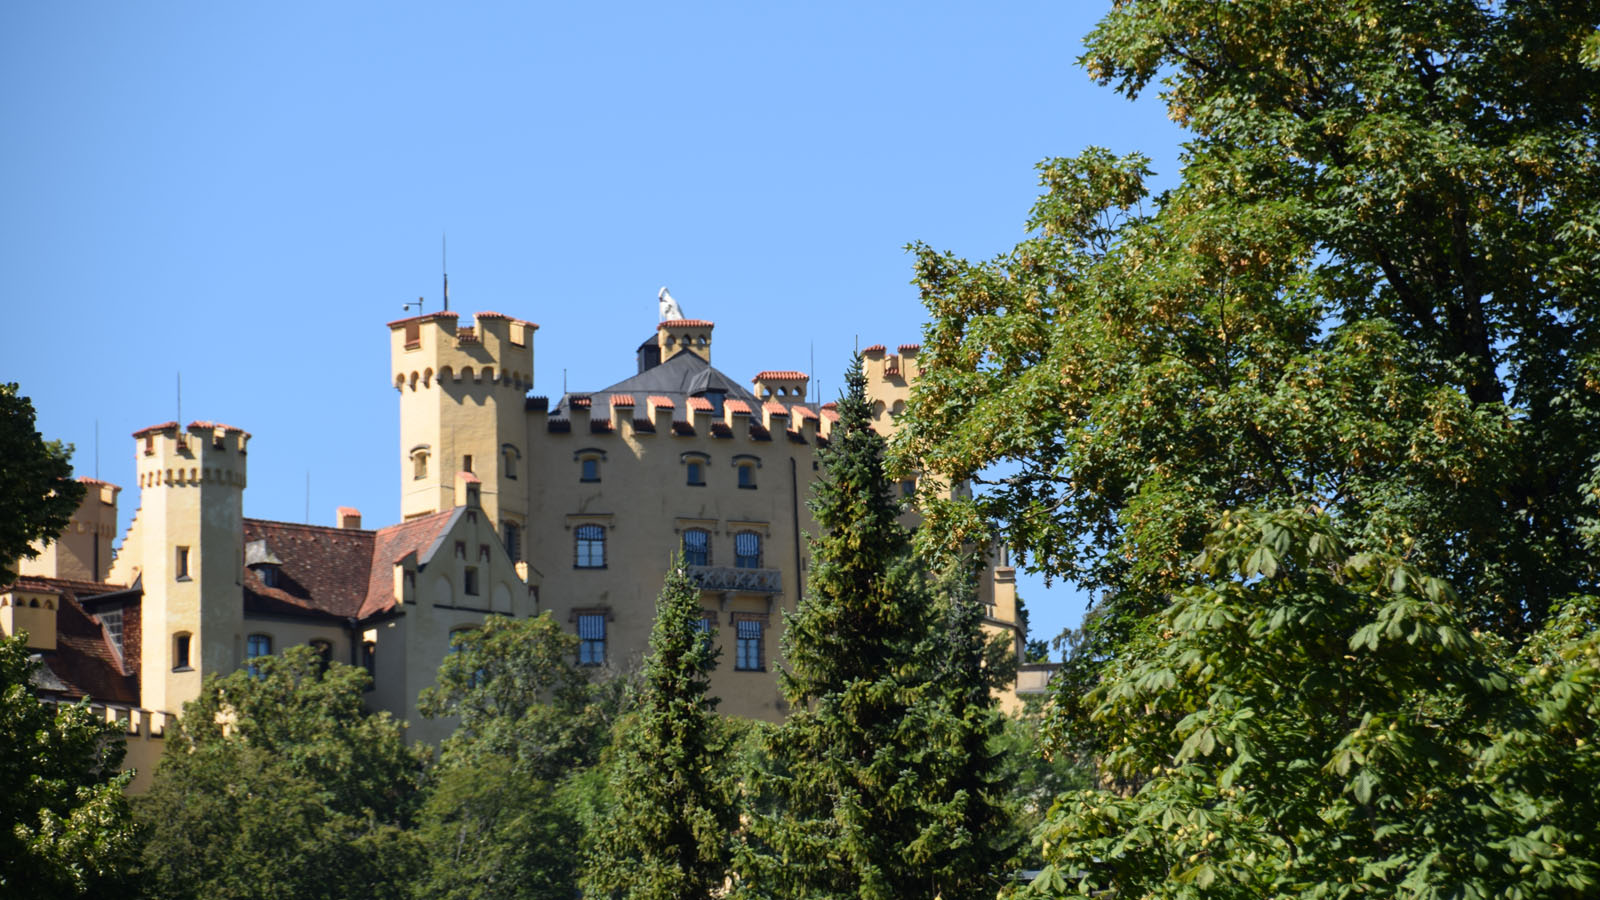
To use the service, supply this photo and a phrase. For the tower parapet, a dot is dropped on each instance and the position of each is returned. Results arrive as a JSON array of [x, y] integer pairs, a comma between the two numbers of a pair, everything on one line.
[[676, 335], [82, 552], [783, 386]]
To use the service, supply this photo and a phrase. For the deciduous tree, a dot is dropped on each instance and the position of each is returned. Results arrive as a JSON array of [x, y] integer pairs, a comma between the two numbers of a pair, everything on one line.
[[37, 493]]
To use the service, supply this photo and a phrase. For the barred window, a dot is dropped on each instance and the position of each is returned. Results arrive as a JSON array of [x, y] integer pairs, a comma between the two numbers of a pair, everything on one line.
[[592, 639], [748, 658], [513, 536], [747, 550], [697, 547], [591, 547]]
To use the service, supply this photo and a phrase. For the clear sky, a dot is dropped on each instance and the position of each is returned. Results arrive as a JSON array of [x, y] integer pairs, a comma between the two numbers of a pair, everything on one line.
[[245, 194]]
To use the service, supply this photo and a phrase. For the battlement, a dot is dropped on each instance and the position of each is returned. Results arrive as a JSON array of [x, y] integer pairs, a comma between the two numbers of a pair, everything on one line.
[[783, 386], [428, 350], [622, 414], [200, 452]]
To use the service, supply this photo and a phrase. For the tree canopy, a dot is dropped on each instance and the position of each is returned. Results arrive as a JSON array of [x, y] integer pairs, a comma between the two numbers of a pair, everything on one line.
[[276, 782], [67, 828], [37, 493]]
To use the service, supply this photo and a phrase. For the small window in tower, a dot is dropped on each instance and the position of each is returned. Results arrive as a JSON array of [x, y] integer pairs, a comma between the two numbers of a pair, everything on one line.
[[470, 581], [419, 463], [590, 470], [180, 652], [149, 445], [697, 473], [180, 564], [466, 463], [510, 459]]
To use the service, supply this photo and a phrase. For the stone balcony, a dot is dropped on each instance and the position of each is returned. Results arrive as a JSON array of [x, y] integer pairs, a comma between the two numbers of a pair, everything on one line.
[[737, 580]]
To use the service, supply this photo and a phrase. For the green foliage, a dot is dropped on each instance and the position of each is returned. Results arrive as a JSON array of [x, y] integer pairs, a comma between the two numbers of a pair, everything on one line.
[[668, 833], [1374, 292], [280, 784], [67, 828], [516, 786], [882, 783], [1311, 722], [37, 493]]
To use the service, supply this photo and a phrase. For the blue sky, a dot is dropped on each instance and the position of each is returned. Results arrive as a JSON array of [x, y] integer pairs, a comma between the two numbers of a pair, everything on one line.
[[246, 193]]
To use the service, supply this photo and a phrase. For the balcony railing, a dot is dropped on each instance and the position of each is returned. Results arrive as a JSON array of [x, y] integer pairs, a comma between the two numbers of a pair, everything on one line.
[[730, 578]]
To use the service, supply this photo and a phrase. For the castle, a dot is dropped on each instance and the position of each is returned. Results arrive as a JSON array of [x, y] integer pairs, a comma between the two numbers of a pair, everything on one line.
[[510, 504]]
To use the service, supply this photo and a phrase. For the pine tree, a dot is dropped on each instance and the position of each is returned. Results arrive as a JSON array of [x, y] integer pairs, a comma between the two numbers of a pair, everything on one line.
[[880, 783], [669, 831]]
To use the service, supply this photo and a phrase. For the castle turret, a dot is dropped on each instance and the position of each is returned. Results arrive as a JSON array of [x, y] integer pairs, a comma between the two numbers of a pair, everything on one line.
[[677, 335], [186, 547], [462, 391], [82, 551]]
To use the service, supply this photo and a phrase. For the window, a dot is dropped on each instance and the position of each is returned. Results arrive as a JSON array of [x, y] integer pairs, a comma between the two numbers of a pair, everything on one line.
[[509, 460], [697, 547], [696, 472], [513, 536], [707, 626], [748, 658], [747, 475], [470, 581], [908, 488], [747, 550], [466, 463], [180, 652], [591, 469], [324, 649], [111, 619], [591, 547], [268, 574], [419, 463], [181, 564], [257, 645], [592, 639], [369, 661]]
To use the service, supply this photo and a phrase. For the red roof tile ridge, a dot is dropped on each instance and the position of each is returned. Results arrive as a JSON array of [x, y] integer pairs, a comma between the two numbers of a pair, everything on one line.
[[621, 399], [875, 348], [73, 585], [737, 406], [85, 479], [661, 402], [700, 404], [442, 314], [305, 526], [775, 408], [780, 374], [910, 348], [149, 428], [579, 401], [686, 323], [803, 412], [202, 423]]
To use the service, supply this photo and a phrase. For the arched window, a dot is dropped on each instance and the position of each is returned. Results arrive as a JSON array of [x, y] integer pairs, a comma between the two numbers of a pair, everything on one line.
[[747, 466], [697, 547], [419, 463], [590, 549], [510, 461], [747, 550]]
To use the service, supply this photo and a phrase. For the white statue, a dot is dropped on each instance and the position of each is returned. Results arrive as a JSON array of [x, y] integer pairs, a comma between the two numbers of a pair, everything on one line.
[[669, 307]]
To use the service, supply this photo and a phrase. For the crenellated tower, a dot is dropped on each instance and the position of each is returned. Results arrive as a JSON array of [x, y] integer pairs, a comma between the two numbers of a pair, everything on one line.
[[185, 547], [462, 392]]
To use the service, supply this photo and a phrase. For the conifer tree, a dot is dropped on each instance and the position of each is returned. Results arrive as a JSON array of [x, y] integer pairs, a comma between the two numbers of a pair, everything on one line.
[[669, 830], [879, 784]]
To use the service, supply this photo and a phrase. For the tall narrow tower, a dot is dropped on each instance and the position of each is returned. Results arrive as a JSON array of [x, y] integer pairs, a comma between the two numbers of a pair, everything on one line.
[[186, 547], [462, 392]]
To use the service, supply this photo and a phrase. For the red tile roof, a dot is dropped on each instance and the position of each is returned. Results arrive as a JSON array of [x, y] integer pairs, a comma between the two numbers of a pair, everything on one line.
[[348, 511], [621, 399], [910, 348], [150, 428], [470, 478], [579, 402], [738, 407], [780, 375], [84, 479], [85, 662], [686, 323], [324, 571], [200, 423], [831, 414], [699, 404], [393, 544], [804, 412], [495, 315], [660, 402], [775, 408], [446, 314], [875, 348]]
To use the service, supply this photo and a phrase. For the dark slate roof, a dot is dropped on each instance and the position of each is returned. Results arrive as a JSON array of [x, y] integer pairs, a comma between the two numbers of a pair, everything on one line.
[[84, 662], [678, 378]]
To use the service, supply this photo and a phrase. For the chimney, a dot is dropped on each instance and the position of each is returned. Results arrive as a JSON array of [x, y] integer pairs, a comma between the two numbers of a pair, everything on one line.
[[349, 518]]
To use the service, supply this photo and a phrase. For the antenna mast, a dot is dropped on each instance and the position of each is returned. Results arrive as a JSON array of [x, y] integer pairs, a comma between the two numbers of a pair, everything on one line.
[[444, 265]]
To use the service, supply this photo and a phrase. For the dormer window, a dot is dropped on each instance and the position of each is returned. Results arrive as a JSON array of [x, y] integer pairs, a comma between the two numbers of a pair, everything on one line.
[[269, 574]]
